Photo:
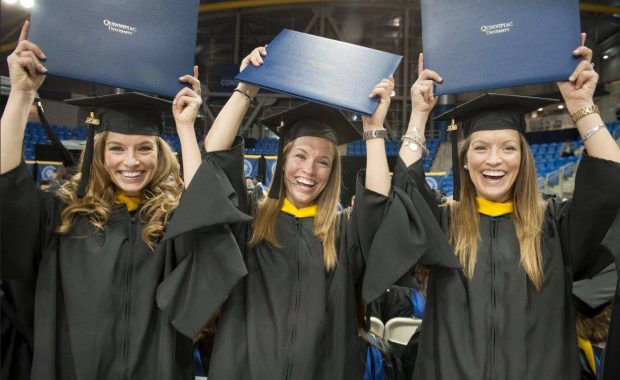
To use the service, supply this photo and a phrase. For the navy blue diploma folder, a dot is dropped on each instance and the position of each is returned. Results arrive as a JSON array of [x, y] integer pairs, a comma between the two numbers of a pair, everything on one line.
[[143, 45], [486, 44], [322, 70]]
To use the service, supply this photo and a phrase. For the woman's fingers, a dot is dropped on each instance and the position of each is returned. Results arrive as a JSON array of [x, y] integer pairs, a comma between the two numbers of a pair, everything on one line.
[[23, 35], [420, 64], [31, 64], [186, 91], [26, 45], [430, 75], [28, 64], [585, 52], [583, 77], [582, 66]]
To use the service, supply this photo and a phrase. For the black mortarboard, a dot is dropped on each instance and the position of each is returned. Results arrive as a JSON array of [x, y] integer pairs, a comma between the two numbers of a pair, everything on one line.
[[488, 112], [590, 296], [308, 119], [129, 113]]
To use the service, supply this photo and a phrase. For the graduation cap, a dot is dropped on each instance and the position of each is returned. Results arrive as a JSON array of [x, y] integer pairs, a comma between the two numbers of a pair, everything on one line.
[[591, 296], [488, 112], [130, 113], [308, 119]]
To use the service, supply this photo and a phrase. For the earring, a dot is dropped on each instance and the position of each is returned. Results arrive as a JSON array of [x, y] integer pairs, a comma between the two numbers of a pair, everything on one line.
[[465, 167]]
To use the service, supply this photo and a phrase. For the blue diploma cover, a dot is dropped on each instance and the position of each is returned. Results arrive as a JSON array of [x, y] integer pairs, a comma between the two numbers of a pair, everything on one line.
[[485, 44], [143, 45], [322, 70]]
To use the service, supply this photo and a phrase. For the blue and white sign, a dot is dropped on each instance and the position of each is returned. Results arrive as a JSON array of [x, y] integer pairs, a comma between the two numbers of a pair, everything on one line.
[[271, 167], [432, 182], [250, 166], [46, 172]]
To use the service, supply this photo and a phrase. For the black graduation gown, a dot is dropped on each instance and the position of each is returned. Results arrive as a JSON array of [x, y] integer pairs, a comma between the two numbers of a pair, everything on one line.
[[97, 294], [17, 323], [289, 318], [610, 367], [496, 325]]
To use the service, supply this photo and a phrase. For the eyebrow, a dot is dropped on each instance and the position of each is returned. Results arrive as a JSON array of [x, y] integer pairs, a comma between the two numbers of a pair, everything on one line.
[[304, 151], [144, 142], [503, 142]]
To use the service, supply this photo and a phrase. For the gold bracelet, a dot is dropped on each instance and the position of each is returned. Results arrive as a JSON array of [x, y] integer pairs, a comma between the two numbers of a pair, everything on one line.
[[578, 115]]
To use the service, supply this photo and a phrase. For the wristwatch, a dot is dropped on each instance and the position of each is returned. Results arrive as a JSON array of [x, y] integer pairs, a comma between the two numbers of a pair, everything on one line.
[[376, 134]]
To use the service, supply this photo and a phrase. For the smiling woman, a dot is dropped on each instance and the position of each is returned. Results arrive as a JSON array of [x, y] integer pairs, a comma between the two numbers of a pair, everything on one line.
[[95, 248], [510, 305]]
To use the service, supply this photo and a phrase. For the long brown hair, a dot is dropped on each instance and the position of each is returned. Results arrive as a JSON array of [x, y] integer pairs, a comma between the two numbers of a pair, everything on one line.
[[161, 194], [594, 329], [325, 222], [528, 214]]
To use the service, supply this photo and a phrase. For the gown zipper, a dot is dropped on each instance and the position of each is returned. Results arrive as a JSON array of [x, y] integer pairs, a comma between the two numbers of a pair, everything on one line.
[[494, 222], [127, 299], [289, 361]]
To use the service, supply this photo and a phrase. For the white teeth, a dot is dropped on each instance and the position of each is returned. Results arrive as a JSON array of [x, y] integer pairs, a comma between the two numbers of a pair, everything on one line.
[[305, 181], [494, 173], [130, 174]]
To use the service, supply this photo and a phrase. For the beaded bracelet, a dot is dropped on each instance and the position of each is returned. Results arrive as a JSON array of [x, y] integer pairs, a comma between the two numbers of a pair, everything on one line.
[[250, 99]]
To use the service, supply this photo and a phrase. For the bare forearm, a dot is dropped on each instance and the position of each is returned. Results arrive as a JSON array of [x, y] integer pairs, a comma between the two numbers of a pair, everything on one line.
[[409, 156], [601, 144], [226, 125], [377, 170], [12, 128], [189, 151]]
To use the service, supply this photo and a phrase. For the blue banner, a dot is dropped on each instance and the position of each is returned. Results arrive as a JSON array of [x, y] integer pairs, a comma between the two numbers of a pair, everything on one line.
[[271, 167], [250, 166]]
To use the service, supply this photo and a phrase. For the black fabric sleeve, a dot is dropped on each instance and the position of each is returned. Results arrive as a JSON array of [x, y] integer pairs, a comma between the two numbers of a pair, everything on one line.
[[585, 219], [213, 197], [26, 221], [203, 268], [396, 232], [412, 179], [203, 259], [231, 163]]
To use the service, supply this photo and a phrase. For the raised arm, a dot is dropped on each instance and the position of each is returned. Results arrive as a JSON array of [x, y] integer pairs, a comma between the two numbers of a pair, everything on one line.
[[377, 171], [225, 127], [422, 102], [185, 108], [578, 92], [27, 74]]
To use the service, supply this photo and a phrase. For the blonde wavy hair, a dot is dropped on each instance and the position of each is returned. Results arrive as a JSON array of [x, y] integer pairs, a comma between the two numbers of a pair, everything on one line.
[[161, 194], [527, 216], [325, 222]]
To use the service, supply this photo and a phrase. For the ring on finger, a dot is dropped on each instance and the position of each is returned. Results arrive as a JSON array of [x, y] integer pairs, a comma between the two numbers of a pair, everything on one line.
[[198, 91]]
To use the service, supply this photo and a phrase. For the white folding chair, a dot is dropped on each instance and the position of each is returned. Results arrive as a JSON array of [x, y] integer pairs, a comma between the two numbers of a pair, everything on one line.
[[399, 330], [376, 327]]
